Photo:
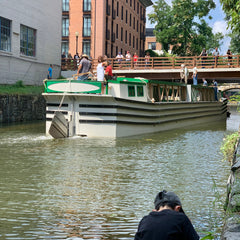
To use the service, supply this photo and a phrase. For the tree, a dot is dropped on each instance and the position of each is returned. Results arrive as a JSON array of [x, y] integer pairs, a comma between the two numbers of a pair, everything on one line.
[[235, 43], [183, 26], [232, 10]]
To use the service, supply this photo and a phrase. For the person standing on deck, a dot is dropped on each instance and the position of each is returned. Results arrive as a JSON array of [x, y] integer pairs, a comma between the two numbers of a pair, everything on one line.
[[167, 222], [84, 67], [215, 87], [195, 75]]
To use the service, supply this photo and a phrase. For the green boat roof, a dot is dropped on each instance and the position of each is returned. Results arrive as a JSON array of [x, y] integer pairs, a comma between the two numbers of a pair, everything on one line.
[[124, 80]]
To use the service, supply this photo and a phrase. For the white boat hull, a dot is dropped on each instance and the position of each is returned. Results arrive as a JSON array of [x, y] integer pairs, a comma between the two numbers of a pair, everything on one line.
[[95, 115]]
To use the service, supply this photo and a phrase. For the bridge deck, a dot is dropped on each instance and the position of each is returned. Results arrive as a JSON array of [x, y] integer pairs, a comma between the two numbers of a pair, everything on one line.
[[168, 68]]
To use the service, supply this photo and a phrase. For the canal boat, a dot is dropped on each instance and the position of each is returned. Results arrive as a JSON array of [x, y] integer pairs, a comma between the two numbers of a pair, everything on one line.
[[126, 107]]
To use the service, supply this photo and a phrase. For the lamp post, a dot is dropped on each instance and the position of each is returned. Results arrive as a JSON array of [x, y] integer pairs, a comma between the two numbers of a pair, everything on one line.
[[76, 34]]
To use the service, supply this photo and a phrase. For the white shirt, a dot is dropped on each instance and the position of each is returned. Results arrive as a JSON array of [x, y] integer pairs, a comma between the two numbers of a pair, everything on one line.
[[100, 72]]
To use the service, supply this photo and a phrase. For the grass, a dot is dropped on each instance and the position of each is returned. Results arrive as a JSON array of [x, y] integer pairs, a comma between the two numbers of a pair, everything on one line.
[[19, 88]]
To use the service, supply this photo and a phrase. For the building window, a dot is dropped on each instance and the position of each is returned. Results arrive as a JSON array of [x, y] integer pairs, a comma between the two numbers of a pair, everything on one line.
[[117, 31], [65, 27], [140, 91], [131, 91], [121, 34], [137, 43], [86, 47], [65, 47], [126, 36], [86, 5], [137, 8], [122, 13], [65, 5], [27, 41], [133, 22], [134, 5], [5, 34], [137, 25], [133, 41], [152, 45], [116, 50], [126, 16], [130, 3], [130, 39], [130, 20], [117, 8], [86, 26]]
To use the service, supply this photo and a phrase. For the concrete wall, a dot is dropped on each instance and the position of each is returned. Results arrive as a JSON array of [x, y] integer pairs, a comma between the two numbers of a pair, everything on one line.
[[22, 108], [45, 17], [231, 229]]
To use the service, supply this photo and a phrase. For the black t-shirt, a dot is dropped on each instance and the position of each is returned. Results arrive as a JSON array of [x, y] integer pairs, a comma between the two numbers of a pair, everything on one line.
[[166, 225]]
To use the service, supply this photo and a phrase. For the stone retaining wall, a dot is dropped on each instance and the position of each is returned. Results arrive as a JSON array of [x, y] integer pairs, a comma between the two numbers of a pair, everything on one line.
[[231, 229], [21, 108]]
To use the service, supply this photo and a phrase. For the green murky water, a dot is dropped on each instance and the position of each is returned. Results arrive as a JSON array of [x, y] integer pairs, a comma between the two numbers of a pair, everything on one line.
[[100, 189]]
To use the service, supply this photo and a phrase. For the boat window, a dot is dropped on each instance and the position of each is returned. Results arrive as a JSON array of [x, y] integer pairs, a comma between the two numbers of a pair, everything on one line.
[[140, 91], [131, 91]]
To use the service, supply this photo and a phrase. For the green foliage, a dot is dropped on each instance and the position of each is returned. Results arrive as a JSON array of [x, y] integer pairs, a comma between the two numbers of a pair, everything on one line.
[[235, 98], [19, 84], [232, 10], [209, 235], [152, 53], [19, 88], [235, 43], [182, 25], [228, 146]]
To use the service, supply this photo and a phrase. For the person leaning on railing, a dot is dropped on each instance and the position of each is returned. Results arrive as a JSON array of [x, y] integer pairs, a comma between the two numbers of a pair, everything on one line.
[[108, 71], [84, 67]]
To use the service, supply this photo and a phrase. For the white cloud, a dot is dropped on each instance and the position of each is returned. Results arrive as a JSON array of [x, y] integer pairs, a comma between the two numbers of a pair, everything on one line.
[[220, 26]]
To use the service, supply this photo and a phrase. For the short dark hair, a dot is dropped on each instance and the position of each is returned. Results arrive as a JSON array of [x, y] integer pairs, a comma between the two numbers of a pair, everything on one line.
[[163, 204]]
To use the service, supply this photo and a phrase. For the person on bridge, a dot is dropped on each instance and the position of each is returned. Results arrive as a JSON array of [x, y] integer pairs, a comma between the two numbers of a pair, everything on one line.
[[167, 221], [216, 56], [229, 55], [203, 56]]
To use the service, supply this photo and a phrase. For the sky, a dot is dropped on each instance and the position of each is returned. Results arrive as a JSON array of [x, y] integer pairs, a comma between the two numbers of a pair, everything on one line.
[[218, 24]]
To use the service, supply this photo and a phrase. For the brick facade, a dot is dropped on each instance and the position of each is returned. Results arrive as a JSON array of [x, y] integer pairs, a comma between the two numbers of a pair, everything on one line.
[[116, 26]]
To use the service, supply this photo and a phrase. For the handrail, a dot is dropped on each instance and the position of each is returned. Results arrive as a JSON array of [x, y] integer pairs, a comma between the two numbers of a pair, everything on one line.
[[162, 62]]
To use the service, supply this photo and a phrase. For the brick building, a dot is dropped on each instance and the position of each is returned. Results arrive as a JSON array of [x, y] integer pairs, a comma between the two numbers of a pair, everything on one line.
[[104, 27], [30, 40]]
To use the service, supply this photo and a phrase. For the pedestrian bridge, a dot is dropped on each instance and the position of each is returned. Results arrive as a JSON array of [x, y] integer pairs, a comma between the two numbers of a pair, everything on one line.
[[227, 87], [222, 68]]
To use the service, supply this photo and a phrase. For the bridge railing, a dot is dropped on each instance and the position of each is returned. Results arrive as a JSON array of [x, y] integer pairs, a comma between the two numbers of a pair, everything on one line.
[[162, 62]]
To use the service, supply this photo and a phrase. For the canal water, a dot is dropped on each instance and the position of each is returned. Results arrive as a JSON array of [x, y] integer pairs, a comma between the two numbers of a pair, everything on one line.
[[82, 188]]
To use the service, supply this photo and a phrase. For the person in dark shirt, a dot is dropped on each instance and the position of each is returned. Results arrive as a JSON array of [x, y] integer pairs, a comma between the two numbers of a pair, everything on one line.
[[167, 222]]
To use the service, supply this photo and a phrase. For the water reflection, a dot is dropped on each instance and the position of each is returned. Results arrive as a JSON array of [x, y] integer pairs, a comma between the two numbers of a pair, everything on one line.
[[101, 188]]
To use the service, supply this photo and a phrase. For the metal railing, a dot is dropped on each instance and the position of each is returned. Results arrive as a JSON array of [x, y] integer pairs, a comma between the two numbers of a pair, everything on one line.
[[162, 62]]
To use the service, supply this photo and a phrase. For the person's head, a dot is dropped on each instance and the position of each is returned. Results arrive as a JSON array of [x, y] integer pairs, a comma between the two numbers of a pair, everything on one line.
[[85, 56], [169, 199], [100, 59], [228, 51], [51, 65], [204, 50], [216, 48]]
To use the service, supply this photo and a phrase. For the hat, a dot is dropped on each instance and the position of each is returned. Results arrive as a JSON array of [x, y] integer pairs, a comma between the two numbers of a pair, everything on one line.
[[85, 55], [167, 197]]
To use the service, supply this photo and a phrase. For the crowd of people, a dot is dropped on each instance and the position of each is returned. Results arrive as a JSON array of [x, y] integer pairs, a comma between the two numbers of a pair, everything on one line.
[[104, 67]]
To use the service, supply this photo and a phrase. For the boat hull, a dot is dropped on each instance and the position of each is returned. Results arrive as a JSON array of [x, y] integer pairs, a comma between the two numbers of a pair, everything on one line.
[[94, 115]]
